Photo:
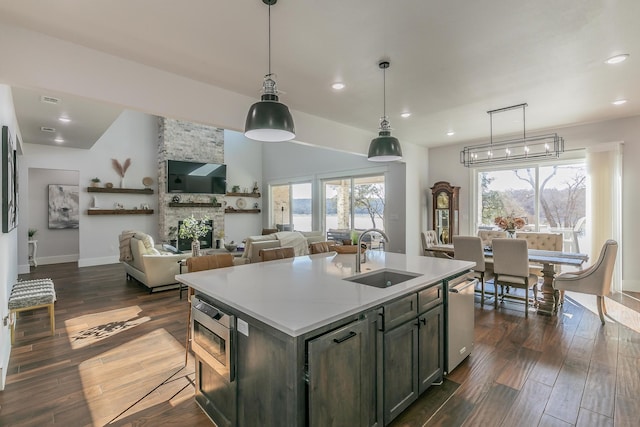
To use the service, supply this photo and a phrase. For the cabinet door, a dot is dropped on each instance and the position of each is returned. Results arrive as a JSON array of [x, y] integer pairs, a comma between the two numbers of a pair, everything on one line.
[[341, 373], [400, 366], [431, 347]]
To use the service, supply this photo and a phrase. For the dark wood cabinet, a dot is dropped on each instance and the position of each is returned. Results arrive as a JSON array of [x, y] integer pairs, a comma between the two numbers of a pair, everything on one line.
[[341, 377], [431, 351], [445, 210], [400, 366], [413, 353]]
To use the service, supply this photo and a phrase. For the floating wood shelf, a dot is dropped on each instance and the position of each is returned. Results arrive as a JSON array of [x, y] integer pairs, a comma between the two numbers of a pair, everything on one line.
[[120, 190], [194, 205], [243, 194], [119, 211], [228, 210]]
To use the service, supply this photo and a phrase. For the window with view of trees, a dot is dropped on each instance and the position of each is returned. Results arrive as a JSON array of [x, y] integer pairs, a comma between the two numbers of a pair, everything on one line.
[[291, 204], [549, 198], [354, 202]]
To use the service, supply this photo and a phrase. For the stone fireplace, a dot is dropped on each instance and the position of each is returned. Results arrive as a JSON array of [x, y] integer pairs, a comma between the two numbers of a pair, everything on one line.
[[179, 140]]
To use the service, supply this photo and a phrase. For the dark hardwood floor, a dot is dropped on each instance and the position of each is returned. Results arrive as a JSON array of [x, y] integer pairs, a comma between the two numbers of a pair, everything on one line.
[[118, 359]]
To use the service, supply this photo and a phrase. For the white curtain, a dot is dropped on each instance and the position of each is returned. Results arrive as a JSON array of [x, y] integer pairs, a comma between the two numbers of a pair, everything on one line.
[[604, 202]]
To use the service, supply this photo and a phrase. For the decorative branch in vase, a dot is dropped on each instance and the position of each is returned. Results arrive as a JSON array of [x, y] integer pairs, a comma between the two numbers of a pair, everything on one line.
[[121, 169], [192, 228]]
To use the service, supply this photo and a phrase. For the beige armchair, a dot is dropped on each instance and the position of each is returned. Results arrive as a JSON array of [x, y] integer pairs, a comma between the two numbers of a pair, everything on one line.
[[147, 263], [594, 280]]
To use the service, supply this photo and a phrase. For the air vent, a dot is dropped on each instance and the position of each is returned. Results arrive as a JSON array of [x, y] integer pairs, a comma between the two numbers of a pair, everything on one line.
[[47, 129], [49, 99]]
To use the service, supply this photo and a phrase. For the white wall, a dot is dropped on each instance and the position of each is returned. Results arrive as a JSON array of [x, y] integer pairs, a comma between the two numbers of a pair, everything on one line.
[[8, 241], [444, 165], [133, 135], [243, 158], [54, 245]]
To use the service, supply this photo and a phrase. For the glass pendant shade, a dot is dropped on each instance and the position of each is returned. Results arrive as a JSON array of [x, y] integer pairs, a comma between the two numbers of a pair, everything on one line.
[[269, 120], [385, 148]]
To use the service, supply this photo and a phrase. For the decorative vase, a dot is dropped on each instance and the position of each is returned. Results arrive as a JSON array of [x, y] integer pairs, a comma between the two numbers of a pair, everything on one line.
[[511, 234], [122, 182], [195, 248]]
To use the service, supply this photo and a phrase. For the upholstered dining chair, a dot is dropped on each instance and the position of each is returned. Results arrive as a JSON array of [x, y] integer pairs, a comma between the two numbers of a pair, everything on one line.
[[594, 280], [511, 268], [201, 263], [320, 247], [273, 254], [430, 238], [469, 248]]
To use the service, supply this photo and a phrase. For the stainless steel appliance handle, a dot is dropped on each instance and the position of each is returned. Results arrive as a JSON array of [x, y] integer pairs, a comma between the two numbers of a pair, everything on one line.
[[462, 286]]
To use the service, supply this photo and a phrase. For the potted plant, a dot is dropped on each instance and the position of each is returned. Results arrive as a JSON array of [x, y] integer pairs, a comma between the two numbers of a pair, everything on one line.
[[32, 232], [95, 182], [192, 228]]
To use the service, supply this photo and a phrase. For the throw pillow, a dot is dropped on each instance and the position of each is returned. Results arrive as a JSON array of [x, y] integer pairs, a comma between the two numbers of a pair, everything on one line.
[[170, 248]]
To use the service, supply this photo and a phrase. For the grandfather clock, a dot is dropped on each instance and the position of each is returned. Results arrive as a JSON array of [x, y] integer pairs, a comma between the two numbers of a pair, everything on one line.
[[445, 210]]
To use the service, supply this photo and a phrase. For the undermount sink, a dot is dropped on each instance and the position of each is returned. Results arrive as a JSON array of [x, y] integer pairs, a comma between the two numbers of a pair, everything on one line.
[[383, 278]]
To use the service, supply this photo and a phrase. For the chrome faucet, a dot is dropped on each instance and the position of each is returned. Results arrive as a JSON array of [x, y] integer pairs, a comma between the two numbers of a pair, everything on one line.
[[358, 261]]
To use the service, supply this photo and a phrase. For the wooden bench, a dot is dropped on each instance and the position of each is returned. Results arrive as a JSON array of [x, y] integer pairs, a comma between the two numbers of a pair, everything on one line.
[[30, 295]]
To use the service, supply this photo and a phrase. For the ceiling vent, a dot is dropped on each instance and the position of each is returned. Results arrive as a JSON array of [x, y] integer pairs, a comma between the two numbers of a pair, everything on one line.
[[49, 99], [47, 129]]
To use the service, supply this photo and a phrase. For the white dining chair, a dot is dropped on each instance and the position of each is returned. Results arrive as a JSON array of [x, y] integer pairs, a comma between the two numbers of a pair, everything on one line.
[[594, 280], [469, 248], [430, 238], [511, 268]]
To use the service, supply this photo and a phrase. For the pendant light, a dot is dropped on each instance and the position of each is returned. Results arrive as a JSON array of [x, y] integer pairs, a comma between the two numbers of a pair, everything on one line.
[[384, 148], [269, 120]]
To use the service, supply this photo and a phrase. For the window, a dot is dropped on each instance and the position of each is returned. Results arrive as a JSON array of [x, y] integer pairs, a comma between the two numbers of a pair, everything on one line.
[[550, 198], [354, 202], [291, 206]]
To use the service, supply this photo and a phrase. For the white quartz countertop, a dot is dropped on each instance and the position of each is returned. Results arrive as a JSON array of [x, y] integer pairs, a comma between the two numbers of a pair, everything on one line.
[[300, 294]]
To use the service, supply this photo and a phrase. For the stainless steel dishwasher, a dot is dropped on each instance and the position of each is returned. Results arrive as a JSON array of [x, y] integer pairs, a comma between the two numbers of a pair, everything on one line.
[[460, 319]]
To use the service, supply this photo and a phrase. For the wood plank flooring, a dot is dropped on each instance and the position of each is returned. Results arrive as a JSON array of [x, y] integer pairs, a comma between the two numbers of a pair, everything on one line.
[[117, 358]]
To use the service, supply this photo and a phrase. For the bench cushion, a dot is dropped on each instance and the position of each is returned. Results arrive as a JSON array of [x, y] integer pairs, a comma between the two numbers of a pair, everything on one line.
[[32, 293]]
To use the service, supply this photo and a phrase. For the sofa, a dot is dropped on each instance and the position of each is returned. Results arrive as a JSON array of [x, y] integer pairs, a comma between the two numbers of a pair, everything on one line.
[[299, 240], [148, 263]]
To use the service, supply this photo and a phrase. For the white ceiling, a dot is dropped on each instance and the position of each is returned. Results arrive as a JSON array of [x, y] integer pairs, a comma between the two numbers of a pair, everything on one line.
[[451, 61]]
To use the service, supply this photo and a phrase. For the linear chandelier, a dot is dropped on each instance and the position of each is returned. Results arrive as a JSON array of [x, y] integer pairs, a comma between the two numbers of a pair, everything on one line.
[[528, 147]]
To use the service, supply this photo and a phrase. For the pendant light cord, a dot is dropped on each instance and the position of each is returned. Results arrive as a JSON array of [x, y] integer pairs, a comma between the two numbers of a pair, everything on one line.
[[384, 92], [269, 40]]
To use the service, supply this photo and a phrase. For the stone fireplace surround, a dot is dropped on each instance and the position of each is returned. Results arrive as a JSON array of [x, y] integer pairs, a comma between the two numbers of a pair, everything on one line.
[[180, 140]]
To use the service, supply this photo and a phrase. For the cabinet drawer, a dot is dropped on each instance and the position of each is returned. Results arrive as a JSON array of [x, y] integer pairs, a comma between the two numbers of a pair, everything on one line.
[[398, 312], [429, 298]]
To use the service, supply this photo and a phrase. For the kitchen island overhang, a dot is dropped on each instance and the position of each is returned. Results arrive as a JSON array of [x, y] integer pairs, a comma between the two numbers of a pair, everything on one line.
[[298, 295]]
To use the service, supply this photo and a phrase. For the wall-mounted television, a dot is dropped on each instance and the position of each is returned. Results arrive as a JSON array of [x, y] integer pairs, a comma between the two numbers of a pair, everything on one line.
[[195, 177]]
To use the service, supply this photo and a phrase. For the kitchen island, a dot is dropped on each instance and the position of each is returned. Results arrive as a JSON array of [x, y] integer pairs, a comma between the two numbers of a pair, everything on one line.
[[307, 347]]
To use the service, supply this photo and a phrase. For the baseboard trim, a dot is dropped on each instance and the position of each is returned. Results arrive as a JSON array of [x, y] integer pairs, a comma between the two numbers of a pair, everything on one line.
[[57, 259]]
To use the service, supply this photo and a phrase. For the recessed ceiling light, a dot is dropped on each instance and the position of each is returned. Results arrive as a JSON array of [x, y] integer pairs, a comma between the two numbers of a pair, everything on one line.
[[59, 140], [619, 102], [451, 133], [405, 115], [617, 59], [338, 86], [64, 119]]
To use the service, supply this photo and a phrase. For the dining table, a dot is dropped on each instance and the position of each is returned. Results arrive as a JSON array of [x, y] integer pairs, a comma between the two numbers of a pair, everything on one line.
[[548, 303]]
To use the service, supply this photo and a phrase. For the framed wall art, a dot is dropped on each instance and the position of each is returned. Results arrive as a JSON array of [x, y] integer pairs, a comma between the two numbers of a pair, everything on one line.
[[9, 184], [64, 206]]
